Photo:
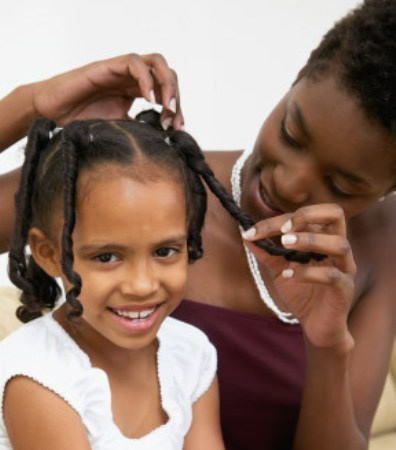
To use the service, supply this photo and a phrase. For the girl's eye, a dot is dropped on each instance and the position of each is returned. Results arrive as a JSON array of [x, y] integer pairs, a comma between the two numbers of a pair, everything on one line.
[[106, 258], [166, 252], [285, 136]]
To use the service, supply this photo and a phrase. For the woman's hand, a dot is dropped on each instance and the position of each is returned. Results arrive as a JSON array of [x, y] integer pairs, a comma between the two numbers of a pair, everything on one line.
[[319, 294], [107, 89]]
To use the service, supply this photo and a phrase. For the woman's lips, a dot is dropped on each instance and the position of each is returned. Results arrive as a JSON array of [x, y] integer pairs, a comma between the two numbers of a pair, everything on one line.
[[262, 202]]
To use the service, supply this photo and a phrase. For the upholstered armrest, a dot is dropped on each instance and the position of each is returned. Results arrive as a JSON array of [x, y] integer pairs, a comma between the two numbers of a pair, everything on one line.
[[8, 305], [383, 434]]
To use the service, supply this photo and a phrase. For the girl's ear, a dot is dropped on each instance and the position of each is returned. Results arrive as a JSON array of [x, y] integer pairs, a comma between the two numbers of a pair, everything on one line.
[[45, 252]]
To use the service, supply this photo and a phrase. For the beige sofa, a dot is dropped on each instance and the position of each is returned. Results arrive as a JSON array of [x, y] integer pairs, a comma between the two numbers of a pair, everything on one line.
[[384, 427], [383, 433]]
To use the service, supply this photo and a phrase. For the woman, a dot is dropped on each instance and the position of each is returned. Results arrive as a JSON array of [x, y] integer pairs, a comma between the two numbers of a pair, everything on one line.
[[322, 160]]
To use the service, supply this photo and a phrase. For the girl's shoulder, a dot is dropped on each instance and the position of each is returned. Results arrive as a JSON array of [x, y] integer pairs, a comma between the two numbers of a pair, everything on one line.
[[186, 356], [41, 338], [42, 350]]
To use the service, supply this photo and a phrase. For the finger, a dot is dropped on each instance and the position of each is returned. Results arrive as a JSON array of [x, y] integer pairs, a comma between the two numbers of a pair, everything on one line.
[[266, 228], [328, 275], [178, 120], [140, 71], [168, 117], [165, 78], [328, 216], [333, 245], [175, 120]]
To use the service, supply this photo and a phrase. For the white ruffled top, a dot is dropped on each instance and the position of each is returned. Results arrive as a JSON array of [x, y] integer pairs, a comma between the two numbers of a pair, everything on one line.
[[43, 351]]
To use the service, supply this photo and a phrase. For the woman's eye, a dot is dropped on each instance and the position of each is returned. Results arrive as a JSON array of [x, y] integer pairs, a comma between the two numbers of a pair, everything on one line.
[[285, 136], [166, 252], [106, 258], [336, 190]]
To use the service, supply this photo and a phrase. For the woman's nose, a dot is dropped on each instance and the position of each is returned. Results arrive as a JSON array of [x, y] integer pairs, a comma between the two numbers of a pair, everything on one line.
[[294, 183]]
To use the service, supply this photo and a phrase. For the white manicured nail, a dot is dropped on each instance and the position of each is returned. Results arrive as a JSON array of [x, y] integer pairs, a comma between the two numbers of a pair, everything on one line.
[[166, 123], [286, 227], [287, 273], [249, 234], [172, 105], [288, 239], [152, 97]]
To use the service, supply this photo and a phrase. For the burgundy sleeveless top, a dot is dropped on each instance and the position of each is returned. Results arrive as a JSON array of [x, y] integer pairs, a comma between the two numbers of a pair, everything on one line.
[[261, 373]]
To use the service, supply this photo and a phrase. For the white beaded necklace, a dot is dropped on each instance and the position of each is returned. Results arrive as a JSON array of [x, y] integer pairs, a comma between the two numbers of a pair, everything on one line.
[[251, 259]]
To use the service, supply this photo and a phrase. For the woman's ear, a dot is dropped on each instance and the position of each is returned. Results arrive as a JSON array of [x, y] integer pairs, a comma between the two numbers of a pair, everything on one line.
[[45, 252]]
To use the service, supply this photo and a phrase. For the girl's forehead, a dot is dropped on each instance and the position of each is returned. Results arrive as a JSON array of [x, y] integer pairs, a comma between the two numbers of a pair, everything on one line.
[[143, 171], [130, 213]]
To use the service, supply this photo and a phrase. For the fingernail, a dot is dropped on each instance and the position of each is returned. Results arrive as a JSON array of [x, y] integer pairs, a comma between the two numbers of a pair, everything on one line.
[[249, 234], [286, 227], [288, 239], [166, 123], [288, 273], [152, 97], [172, 105]]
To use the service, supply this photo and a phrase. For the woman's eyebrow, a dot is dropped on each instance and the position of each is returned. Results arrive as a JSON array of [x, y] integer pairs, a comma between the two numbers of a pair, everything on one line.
[[299, 118], [301, 123]]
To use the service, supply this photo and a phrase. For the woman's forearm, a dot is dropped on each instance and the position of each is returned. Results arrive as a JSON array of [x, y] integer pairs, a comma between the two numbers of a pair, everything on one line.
[[16, 115], [8, 186], [327, 419]]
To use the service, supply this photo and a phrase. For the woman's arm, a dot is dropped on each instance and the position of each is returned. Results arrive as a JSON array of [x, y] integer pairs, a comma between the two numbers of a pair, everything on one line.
[[348, 340], [16, 114], [103, 89], [205, 430], [38, 419], [8, 185]]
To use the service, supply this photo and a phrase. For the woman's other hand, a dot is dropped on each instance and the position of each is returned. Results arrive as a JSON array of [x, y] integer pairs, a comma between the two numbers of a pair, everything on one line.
[[107, 89]]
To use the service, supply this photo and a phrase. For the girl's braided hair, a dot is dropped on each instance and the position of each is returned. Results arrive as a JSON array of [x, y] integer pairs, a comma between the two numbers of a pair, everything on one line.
[[51, 169]]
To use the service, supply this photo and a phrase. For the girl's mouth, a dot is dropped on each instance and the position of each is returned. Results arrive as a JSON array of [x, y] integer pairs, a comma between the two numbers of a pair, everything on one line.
[[134, 314], [136, 321]]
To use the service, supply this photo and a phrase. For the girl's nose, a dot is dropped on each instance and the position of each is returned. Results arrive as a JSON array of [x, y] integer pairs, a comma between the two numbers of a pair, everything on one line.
[[140, 281], [294, 183]]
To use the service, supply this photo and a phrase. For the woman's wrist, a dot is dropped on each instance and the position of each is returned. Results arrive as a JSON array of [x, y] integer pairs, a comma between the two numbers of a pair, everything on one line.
[[17, 112], [341, 348]]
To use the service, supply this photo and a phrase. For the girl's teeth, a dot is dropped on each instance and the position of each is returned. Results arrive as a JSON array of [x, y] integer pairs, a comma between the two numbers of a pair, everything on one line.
[[134, 314]]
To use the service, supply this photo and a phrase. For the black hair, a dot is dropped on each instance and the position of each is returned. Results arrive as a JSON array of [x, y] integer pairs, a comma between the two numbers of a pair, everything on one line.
[[360, 52], [51, 170]]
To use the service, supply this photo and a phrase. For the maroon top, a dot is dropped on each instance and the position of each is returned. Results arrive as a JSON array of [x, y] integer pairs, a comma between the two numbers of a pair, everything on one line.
[[260, 371]]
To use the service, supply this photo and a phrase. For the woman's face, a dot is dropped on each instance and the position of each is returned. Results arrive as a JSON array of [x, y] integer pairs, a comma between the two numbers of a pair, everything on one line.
[[317, 146]]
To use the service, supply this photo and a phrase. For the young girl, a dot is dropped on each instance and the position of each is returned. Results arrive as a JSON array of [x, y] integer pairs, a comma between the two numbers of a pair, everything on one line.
[[115, 209], [112, 208]]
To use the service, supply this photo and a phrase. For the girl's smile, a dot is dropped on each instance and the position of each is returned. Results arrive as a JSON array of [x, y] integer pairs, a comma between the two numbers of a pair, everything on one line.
[[136, 318]]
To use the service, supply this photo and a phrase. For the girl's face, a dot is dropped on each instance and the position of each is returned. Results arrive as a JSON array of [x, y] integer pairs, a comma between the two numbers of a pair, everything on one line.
[[317, 146], [130, 250]]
